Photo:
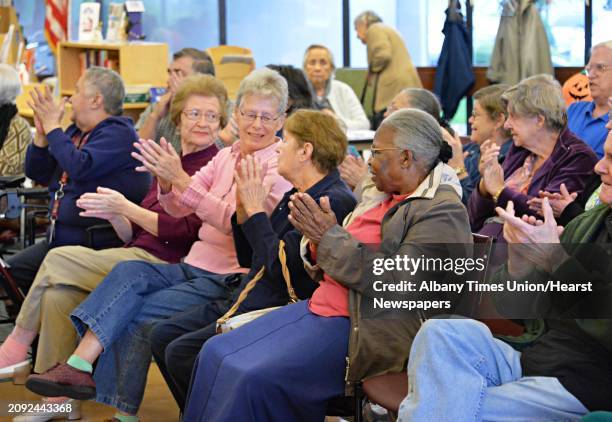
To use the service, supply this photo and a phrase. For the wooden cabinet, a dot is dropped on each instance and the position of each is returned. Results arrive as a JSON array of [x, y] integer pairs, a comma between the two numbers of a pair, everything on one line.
[[138, 63]]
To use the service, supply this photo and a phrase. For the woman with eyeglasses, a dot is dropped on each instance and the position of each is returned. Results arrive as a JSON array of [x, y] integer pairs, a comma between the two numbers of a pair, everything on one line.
[[116, 318], [287, 364], [68, 274], [313, 145], [487, 124], [544, 155]]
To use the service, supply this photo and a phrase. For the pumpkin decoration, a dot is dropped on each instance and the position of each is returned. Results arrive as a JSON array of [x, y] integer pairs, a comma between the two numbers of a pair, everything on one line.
[[576, 88]]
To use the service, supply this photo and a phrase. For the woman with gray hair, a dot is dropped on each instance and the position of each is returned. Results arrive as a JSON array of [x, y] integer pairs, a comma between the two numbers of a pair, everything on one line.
[[114, 328], [544, 154], [286, 365], [353, 169], [330, 95], [15, 134]]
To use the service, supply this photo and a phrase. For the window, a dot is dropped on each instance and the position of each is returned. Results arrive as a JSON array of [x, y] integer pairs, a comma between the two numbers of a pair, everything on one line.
[[602, 19], [386, 9], [411, 18], [435, 12], [564, 23], [278, 31], [486, 16]]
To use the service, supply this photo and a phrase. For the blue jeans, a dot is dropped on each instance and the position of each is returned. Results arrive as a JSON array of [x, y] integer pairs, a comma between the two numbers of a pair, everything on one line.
[[122, 310], [459, 372]]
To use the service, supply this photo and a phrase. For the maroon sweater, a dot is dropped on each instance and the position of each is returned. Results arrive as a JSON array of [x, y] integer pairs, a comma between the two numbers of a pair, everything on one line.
[[175, 235]]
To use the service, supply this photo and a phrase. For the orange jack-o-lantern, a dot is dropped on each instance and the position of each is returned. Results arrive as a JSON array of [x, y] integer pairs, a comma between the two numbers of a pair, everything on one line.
[[576, 88]]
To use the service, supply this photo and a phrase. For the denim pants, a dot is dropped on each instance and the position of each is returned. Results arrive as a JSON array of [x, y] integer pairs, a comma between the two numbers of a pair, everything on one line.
[[458, 371], [122, 310]]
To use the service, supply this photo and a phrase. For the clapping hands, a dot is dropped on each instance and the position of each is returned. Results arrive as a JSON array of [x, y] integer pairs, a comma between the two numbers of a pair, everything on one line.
[[163, 162]]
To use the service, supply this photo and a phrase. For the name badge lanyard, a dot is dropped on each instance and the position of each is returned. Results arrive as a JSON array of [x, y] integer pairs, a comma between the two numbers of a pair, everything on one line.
[[59, 193]]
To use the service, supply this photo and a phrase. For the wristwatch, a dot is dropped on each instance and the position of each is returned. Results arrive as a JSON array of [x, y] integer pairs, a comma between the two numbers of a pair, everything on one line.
[[460, 171]]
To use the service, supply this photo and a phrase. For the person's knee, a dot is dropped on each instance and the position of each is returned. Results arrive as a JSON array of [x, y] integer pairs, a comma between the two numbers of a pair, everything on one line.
[[440, 330], [56, 254], [175, 358], [130, 267], [61, 300], [260, 378], [160, 337], [214, 350]]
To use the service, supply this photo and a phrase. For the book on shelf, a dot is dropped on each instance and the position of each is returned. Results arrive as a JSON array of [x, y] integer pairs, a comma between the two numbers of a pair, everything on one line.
[[89, 58]]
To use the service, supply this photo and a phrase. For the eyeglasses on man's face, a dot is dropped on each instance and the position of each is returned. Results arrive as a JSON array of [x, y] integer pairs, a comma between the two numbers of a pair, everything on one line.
[[266, 119], [597, 68], [196, 114]]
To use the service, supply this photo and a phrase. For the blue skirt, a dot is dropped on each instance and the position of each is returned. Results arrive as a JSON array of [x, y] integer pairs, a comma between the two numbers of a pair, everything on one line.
[[284, 366]]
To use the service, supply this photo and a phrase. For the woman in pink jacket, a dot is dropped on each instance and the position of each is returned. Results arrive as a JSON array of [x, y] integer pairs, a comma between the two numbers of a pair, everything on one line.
[[116, 318]]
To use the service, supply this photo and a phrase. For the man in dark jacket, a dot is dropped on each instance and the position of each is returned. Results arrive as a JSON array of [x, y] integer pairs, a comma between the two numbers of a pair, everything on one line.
[[94, 151]]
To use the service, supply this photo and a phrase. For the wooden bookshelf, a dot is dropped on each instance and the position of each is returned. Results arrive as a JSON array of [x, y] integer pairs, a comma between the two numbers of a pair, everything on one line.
[[138, 63]]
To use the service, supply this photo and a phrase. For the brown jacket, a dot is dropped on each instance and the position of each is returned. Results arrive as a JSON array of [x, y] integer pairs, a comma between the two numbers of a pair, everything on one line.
[[390, 63], [432, 214]]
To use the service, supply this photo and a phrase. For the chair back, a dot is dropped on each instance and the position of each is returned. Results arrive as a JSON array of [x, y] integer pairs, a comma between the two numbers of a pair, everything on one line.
[[23, 98], [232, 65]]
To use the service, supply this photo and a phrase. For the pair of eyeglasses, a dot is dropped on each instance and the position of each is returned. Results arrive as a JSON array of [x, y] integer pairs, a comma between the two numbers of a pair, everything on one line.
[[377, 151], [266, 119], [597, 68], [195, 114]]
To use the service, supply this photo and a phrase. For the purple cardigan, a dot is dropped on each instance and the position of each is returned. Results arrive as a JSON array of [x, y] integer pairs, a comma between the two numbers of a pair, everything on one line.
[[571, 162], [174, 235]]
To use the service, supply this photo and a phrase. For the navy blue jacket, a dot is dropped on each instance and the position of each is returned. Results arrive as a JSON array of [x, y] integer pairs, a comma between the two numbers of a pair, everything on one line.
[[257, 243], [469, 183], [104, 160], [454, 74]]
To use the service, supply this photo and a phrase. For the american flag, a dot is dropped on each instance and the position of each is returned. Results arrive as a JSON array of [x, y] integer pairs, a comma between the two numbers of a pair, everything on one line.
[[56, 21]]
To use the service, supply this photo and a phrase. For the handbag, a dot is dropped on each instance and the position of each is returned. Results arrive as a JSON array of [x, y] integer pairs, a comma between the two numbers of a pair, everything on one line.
[[229, 322]]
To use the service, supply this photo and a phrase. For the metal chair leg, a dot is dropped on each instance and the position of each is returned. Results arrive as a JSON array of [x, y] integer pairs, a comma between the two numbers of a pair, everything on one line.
[[359, 396]]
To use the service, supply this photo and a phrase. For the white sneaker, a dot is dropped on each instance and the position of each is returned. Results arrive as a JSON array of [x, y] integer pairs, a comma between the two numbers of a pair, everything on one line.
[[19, 372], [74, 414]]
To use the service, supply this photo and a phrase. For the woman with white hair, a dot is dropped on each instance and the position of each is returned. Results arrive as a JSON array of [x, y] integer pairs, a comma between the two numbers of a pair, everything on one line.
[[330, 95], [114, 321], [15, 134], [544, 154], [287, 364]]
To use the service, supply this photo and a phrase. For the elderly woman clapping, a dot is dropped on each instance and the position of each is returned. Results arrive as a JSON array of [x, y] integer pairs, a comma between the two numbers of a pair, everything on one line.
[[312, 146], [112, 325], [287, 364], [69, 273], [544, 155]]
